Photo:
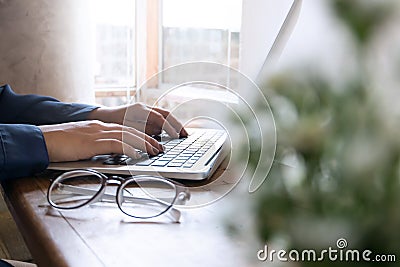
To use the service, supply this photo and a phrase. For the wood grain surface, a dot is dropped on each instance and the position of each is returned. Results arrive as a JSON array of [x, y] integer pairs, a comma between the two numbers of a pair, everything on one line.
[[101, 235]]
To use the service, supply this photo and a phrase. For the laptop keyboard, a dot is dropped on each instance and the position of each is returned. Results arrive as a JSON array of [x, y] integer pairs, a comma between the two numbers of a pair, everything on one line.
[[183, 152]]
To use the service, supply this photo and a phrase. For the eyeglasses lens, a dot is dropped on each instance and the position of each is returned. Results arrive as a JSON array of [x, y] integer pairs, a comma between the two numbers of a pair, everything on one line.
[[75, 190], [146, 198]]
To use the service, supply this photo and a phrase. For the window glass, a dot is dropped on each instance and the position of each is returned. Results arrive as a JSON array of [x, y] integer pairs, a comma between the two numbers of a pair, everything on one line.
[[194, 30], [114, 27]]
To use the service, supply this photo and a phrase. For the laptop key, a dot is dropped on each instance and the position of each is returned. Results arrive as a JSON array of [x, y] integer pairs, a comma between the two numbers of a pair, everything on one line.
[[175, 164], [146, 162], [187, 153], [180, 157], [187, 165], [167, 157], [178, 161], [191, 161], [160, 163]]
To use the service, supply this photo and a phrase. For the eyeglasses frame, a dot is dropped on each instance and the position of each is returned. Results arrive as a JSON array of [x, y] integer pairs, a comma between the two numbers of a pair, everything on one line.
[[182, 192]]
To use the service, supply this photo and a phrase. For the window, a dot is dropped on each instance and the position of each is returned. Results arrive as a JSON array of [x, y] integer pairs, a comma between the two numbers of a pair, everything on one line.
[[171, 32], [114, 28], [200, 31]]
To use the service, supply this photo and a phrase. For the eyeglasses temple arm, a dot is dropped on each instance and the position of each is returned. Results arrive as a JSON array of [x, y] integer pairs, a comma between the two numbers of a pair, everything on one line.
[[106, 196]]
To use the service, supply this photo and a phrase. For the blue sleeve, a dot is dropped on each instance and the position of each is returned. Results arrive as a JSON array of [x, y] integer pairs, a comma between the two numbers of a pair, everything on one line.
[[23, 151], [4, 264], [38, 110]]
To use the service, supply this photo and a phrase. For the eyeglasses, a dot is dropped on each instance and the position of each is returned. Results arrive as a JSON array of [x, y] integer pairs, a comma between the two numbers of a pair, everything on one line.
[[140, 196]]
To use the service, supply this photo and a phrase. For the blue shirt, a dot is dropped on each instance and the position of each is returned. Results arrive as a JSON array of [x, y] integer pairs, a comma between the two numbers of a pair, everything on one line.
[[4, 264], [23, 150]]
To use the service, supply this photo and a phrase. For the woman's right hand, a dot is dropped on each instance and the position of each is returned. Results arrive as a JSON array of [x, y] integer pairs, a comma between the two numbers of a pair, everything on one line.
[[85, 139]]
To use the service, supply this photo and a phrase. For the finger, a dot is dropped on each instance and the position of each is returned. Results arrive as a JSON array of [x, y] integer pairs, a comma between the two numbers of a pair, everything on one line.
[[144, 126], [132, 140], [159, 120], [173, 121], [153, 142], [138, 125], [148, 128], [110, 146]]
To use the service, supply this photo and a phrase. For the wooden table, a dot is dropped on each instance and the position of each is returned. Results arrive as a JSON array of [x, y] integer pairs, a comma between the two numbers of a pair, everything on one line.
[[104, 236]]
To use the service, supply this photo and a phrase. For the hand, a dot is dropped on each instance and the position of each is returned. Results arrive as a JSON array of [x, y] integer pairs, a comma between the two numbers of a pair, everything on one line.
[[150, 120], [85, 139]]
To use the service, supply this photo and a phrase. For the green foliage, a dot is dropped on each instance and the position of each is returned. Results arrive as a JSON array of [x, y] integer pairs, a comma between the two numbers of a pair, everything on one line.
[[362, 17], [350, 183]]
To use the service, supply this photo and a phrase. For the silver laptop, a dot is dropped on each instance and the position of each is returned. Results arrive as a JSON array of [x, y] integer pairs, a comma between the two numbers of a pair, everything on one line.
[[193, 158]]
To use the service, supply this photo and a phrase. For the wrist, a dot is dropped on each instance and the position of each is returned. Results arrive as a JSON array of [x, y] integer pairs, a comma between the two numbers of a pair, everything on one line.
[[108, 115], [100, 114]]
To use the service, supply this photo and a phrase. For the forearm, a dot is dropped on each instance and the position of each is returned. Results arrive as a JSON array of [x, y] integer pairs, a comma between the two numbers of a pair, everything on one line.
[[38, 110]]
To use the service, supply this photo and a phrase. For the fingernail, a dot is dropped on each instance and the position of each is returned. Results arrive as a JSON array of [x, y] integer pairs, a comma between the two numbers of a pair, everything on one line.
[[136, 156], [155, 150], [161, 147], [184, 133]]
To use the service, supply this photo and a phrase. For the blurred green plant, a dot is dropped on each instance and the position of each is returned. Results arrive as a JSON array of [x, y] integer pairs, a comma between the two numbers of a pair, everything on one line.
[[337, 169], [362, 17]]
